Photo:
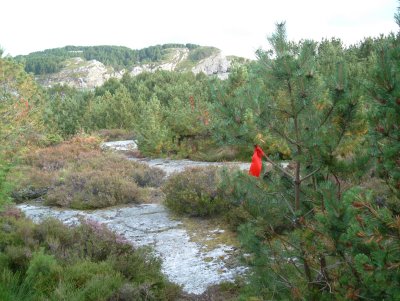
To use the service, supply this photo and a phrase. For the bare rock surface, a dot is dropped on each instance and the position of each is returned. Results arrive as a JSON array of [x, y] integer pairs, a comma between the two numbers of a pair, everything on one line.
[[81, 74], [184, 261], [172, 166], [216, 64], [123, 145]]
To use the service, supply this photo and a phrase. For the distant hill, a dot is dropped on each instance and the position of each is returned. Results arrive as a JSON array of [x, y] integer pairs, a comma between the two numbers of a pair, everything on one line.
[[91, 66]]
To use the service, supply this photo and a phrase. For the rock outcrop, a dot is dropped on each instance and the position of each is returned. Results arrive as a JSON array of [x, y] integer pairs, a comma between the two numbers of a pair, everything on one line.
[[176, 57], [83, 74], [80, 74], [214, 65]]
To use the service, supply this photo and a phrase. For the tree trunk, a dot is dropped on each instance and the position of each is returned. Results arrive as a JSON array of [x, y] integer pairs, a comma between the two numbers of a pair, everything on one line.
[[297, 183]]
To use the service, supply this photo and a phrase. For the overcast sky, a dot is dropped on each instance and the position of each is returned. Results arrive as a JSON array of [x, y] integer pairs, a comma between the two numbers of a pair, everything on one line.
[[237, 27]]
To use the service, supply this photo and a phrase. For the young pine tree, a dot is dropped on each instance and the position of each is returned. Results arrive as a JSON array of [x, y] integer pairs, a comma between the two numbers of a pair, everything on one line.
[[384, 92]]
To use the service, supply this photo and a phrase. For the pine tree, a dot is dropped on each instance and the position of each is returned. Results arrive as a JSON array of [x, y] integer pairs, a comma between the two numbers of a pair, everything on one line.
[[308, 105], [20, 117], [384, 91]]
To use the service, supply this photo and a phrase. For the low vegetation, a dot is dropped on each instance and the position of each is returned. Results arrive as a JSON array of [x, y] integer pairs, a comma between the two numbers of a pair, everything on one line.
[[50, 261], [194, 192], [227, 194], [77, 174]]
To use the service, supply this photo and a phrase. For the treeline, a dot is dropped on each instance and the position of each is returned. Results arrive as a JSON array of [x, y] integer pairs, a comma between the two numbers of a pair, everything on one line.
[[119, 57], [163, 109]]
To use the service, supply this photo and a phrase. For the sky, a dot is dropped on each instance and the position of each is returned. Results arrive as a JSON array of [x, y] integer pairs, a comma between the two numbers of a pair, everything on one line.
[[237, 27]]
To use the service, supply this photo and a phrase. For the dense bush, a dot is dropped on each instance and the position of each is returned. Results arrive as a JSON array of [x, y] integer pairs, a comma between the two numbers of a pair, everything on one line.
[[253, 200], [194, 192], [230, 194], [348, 251], [50, 261]]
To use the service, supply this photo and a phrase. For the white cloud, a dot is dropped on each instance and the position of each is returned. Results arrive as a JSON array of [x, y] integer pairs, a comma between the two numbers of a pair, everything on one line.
[[237, 27]]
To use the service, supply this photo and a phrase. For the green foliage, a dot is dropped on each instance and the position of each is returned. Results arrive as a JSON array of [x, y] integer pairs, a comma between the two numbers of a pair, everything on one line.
[[21, 123], [113, 110], [64, 110], [153, 136], [201, 53], [310, 99], [168, 112], [20, 109], [385, 112], [171, 112], [252, 200], [296, 102], [5, 186], [52, 60], [87, 262], [194, 192], [236, 105], [344, 252], [43, 273]]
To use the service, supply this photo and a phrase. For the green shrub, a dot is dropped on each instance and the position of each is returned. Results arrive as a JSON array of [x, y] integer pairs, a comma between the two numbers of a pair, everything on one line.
[[43, 273], [5, 186], [57, 238], [17, 257], [146, 176], [102, 287], [96, 281], [253, 199], [87, 262], [11, 288], [194, 192]]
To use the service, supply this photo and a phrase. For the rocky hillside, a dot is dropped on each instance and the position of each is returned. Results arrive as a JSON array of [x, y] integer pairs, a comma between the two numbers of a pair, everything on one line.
[[77, 69], [80, 73]]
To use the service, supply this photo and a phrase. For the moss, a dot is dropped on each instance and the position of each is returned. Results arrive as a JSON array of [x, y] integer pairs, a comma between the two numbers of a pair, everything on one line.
[[209, 233]]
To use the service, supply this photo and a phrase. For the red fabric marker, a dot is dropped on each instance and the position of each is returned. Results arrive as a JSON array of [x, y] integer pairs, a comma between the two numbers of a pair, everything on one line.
[[256, 161]]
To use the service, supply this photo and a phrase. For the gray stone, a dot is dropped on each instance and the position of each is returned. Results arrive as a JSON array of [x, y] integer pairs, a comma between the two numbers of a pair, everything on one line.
[[183, 261]]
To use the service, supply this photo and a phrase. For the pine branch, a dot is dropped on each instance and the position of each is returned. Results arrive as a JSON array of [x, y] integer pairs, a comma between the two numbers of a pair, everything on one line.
[[279, 167], [280, 110], [327, 116], [310, 174], [290, 140]]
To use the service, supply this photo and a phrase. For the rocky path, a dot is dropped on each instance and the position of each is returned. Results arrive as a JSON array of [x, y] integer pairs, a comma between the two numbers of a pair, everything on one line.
[[185, 262], [191, 264]]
